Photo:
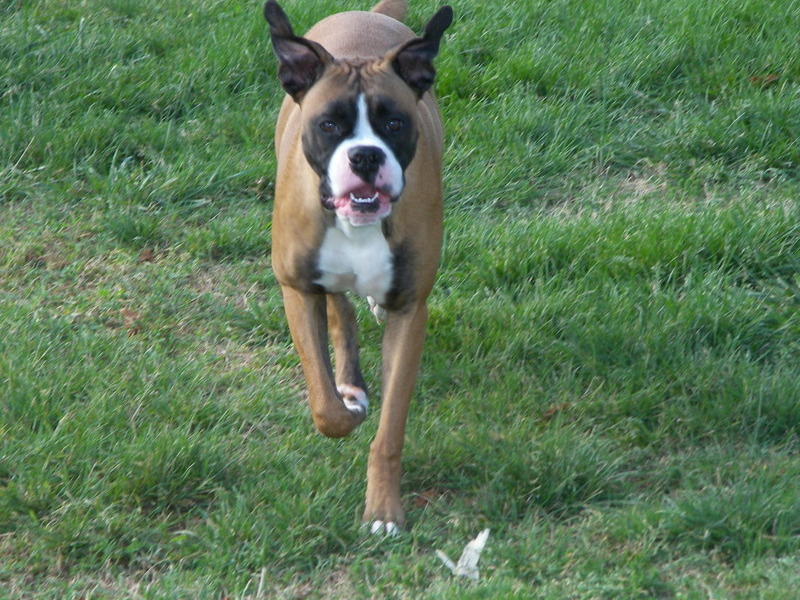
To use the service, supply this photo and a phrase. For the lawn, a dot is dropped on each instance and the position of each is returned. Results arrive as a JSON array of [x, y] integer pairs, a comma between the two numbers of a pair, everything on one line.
[[611, 380]]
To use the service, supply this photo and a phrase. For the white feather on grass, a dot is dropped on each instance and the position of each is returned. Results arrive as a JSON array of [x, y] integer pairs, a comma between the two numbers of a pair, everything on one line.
[[467, 565]]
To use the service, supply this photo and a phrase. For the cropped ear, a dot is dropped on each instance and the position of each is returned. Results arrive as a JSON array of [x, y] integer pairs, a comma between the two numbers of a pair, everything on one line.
[[301, 61], [413, 61]]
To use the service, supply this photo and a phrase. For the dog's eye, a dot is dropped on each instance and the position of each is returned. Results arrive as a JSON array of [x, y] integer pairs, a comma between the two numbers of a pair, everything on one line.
[[394, 125], [328, 127]]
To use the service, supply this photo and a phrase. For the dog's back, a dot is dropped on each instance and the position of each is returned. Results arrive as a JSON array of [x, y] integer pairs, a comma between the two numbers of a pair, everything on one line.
[[396, 9], [363, 34]]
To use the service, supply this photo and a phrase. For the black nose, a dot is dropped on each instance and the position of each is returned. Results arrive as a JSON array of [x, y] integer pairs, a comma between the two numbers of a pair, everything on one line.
[[365, 161]]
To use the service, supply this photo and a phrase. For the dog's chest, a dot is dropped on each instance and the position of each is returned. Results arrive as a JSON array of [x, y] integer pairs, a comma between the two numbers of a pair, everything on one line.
[[355, 259]]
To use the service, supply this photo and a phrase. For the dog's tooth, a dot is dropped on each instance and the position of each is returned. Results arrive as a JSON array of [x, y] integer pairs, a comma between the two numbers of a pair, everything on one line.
[[364, 200]]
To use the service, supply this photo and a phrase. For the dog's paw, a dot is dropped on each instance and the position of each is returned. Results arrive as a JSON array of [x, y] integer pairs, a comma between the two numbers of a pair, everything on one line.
[[377, 310], [354, 398], [380, 528]]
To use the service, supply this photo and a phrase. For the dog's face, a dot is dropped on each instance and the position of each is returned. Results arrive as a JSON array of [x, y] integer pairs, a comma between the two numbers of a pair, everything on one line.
[[360, 118], [360, 139]]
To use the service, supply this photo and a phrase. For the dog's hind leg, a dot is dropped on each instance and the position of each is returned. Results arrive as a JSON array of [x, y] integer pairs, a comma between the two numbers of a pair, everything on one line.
[[308, 323], [344, 334]]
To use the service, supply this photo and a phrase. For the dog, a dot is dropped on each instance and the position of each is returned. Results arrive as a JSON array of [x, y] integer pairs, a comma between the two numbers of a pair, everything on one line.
[[358, 209]]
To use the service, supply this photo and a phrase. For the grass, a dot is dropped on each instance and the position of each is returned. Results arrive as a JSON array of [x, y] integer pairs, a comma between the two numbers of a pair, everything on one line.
[[611, 376]]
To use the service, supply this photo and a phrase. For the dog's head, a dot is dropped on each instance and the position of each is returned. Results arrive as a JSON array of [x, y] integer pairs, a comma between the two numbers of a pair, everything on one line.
[[360, 118]]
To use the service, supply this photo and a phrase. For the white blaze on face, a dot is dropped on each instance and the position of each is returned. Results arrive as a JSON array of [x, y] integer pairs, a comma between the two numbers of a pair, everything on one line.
[[343, 182], [355, 255]]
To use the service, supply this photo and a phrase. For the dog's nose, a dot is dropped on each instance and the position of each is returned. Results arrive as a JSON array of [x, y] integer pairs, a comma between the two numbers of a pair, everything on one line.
[[365, 161]]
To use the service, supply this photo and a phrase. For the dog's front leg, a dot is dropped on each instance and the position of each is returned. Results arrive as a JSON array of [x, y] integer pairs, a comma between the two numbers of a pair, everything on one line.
[[344, 334], [306, 314], [402, 350]]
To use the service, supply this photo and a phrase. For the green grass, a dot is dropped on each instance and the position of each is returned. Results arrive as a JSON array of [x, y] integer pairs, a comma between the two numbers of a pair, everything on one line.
[[611, 378]]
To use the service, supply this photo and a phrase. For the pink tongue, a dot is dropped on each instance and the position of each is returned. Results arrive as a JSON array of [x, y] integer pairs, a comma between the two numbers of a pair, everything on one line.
[[364, 191]]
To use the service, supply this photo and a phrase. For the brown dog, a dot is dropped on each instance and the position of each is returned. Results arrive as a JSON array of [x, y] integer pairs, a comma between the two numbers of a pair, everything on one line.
[[358, 208]]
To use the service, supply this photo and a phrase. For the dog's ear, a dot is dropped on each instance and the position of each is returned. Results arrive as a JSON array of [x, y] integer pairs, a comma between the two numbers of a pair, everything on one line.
[[413, 61], [301, 61]]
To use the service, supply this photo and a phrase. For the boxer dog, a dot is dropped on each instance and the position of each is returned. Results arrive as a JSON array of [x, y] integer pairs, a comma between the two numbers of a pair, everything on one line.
[[358, 208]]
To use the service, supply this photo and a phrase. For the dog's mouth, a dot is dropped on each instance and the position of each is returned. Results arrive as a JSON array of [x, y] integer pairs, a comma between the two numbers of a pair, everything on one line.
[[363, 205]]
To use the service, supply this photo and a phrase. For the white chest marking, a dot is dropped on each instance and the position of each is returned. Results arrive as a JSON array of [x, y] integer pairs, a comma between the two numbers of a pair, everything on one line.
[[356, 259]]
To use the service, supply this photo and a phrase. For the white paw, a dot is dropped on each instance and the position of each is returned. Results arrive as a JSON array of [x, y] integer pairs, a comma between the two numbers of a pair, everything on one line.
[[354, 398], [387, 529], [380, 313]]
